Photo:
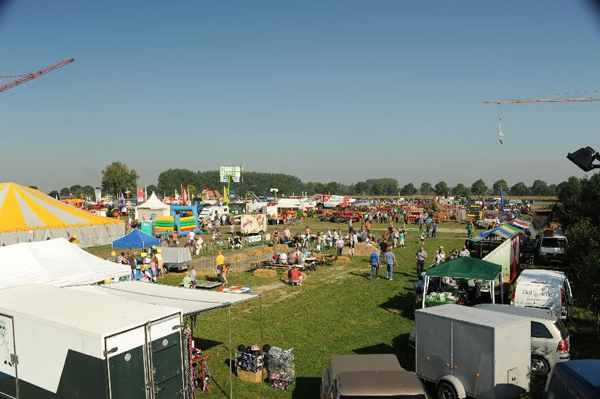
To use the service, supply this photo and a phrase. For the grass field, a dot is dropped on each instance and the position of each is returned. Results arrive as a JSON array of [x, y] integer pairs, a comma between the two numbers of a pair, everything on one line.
[[336, 311]]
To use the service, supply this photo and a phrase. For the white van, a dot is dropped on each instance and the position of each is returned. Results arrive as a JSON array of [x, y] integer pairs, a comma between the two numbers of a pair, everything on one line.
[[552, 249], [547, 289], [211, 212]]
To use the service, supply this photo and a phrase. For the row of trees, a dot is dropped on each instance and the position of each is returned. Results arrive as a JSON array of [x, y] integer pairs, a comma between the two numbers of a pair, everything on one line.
[[578, 211], [118, 178]]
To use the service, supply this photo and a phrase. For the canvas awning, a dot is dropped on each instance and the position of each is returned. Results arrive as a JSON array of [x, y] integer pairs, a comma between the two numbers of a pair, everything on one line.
[[504, 231], [191, 302], [521, 223], [136, 239]]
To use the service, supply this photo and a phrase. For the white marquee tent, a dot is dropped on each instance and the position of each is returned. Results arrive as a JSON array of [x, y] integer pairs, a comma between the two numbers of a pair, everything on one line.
[[54, 262], [152, 206]]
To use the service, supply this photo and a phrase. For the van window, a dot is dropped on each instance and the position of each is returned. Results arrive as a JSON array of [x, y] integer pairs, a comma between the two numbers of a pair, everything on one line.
[[553, 242], [538, 330]]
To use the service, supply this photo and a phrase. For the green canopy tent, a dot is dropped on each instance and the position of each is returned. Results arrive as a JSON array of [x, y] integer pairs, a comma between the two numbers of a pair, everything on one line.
[[468, 268]]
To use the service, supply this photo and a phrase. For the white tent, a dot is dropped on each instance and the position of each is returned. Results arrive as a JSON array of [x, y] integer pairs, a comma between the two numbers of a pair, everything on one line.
[[152, 206], [54, 262]]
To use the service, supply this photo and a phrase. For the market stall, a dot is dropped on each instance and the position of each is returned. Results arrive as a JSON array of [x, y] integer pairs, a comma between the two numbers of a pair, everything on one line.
[[465, 269]]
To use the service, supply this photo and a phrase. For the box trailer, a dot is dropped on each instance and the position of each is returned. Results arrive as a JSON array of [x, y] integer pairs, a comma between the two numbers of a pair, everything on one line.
[[61, 343], [253, 223], [469, 351]]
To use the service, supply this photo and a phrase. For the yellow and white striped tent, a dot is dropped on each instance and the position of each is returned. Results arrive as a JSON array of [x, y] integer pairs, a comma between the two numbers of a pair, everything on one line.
[[28, 215]]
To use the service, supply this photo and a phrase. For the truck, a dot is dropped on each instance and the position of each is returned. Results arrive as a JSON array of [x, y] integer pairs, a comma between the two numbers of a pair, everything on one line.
[[62, 343], [253, 223], [473, 352]]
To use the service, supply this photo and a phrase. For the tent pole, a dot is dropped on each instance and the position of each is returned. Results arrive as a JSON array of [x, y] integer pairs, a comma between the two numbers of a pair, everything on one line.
[[230, 361], [261, 322], [425, 287]]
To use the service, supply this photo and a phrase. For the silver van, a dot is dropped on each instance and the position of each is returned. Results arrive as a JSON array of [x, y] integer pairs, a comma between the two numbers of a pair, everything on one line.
[[552, 250], [547, 289], [550, 340]]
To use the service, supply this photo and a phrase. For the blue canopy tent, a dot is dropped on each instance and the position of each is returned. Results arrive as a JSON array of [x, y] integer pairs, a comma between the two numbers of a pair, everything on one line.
[[136, 239]]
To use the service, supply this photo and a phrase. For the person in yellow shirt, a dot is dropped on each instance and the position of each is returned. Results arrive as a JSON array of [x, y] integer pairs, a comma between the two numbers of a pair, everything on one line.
[[220, 268]]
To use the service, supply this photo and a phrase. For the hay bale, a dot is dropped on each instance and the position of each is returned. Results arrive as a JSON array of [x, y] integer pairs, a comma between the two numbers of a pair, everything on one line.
[[280, 248], [363, 249], [265, 273], [255, 252], [343, 259]]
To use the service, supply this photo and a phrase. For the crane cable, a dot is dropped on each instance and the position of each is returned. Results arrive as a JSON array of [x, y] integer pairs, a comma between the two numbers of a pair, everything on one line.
[[42, 79], [500, 133]]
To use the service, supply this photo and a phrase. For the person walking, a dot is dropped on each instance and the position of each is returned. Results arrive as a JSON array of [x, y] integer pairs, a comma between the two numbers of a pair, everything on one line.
[[390, 261], [374, 264], [420, 256], [220, 268], [434, 230], [339, 245]]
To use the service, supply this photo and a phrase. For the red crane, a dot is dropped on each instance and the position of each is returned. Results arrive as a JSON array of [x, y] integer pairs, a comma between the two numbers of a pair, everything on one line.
[[33, 75]]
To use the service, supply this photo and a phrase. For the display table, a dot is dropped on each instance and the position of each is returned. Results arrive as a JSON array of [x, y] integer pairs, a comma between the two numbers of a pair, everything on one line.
[[440, 298]]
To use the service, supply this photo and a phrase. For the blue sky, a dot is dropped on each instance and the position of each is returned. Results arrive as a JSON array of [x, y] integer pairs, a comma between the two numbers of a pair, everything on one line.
[[324, 90]]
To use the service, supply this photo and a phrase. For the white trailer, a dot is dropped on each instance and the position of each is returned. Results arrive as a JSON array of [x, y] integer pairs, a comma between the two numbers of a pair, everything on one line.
[[468, 351], [253, 224], [61, 343]]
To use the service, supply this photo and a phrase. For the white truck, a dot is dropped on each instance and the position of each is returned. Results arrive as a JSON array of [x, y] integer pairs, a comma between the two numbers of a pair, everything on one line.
[[253, 223], [473, 352], [61, 343], [212, 212]]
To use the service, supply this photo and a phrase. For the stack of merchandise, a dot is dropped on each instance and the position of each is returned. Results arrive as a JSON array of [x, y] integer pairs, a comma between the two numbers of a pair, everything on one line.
[[250, 358], [281, 368]]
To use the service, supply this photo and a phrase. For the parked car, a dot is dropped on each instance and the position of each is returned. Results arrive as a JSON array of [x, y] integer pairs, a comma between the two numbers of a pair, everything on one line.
[[548, 289], [372, 376], [552, 249], [550, 340], [578, 379]]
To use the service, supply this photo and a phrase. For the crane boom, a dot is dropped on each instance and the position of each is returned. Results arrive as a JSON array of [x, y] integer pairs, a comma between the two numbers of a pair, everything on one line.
[[549, 100], [33, 75]]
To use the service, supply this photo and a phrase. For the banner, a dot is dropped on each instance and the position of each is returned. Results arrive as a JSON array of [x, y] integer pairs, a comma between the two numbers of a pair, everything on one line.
[[140, 196], [98, 193]]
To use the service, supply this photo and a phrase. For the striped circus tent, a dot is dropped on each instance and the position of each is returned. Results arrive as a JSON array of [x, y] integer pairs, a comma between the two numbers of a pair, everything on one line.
[[28, 215]]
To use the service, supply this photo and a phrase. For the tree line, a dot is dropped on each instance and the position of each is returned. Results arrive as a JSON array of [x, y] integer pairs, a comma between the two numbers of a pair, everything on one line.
[[118, 178]]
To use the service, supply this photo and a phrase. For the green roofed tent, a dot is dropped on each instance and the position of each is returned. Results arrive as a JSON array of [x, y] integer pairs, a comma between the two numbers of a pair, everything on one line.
[[465, 267], [468, 268]]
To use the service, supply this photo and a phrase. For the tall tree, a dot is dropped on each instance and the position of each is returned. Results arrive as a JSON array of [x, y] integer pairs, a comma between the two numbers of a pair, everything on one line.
[[172, 179], [361, 188], [479, 187], [441, 188], [65, 192], [426, 189], [519, 189], [408, 189], [332, 187], [461, 190], [500, 185], [539, 187], [117, 178], [89, 191], [578, 211], [151, 188]]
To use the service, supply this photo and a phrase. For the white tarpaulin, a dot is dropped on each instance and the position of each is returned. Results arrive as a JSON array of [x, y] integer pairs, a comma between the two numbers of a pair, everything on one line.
[[503, 255], [54, 262], [189, 301]]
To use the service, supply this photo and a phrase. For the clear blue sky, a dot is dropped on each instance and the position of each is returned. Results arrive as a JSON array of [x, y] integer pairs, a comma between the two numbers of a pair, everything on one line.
[[324, 90]]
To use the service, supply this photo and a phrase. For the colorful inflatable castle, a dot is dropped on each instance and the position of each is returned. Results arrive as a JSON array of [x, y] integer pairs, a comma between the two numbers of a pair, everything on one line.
[[183, 219]]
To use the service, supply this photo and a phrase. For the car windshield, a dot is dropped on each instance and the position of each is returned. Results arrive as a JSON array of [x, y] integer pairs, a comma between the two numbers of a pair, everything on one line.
[[553, 242]]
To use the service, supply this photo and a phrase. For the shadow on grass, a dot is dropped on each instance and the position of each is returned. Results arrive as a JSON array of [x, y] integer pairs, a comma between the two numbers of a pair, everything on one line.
[[307, 387], [402, 304], [206, 344]]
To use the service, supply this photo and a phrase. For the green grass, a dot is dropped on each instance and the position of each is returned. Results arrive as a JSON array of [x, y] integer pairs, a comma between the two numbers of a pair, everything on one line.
[[336, 311]]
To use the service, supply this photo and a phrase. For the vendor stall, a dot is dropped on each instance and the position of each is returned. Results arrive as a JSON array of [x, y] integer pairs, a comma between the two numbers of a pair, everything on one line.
[[471, 270]]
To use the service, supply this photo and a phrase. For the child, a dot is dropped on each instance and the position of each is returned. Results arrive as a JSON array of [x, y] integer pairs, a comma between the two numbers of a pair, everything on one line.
[[422, 238]]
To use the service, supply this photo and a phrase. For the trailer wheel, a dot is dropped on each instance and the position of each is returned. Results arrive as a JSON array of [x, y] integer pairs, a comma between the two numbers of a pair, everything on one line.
[[445, 390], [539, 365]]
